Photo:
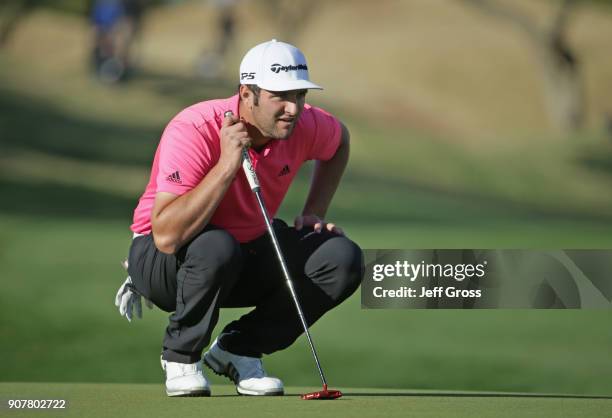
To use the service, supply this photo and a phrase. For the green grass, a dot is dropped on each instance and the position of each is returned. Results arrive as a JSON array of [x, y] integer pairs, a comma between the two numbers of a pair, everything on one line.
[[58, 304], [96, 400]]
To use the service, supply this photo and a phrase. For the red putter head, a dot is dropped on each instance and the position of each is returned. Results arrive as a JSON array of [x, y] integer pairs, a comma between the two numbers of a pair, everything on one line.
[[322, 394]]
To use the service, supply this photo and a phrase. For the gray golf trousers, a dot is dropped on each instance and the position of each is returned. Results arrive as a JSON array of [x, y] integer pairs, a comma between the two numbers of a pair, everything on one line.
[[213, 271]]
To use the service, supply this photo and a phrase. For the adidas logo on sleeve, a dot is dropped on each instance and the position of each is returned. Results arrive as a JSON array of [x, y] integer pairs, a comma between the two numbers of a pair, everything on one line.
[[174, 178], [284, 171]]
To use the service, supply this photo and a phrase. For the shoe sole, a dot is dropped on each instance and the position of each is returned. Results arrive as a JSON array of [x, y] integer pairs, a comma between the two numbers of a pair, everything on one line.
[[188, 394], [248, 392], [217, 368]]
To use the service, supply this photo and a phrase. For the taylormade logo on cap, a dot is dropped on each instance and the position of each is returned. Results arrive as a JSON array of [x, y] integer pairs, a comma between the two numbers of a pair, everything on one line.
[[276, 66]]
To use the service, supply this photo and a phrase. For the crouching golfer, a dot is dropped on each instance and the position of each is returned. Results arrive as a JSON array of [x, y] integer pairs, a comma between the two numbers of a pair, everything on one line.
[[200, 240]]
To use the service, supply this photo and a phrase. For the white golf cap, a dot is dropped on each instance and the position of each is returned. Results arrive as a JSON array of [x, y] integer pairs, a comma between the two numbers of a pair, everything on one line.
[[276, 66]]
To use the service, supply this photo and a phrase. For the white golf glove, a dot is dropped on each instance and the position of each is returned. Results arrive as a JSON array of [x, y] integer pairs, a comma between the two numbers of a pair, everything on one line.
[[128, 299]]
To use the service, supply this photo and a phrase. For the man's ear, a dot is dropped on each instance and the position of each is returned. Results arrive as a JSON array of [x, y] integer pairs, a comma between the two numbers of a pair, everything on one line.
[[245, 94]]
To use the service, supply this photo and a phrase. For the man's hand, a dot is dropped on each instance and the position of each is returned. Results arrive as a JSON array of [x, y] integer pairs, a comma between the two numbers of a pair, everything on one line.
[[234, 137], [177, 219], [316, 223]]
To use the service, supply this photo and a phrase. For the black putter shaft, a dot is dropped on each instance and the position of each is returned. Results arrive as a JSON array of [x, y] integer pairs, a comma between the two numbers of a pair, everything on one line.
[[249, 171]]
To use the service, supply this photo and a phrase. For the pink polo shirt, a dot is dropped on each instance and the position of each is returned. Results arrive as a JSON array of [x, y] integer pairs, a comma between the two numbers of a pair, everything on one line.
[[190, 147]]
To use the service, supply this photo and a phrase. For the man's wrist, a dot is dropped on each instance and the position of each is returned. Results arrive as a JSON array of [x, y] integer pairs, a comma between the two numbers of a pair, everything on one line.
[[311, 212], [224, 172]]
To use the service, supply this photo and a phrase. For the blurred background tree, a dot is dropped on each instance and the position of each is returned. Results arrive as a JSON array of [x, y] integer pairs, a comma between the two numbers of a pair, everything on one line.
[[291, 16], [12, 12], [562, 82]]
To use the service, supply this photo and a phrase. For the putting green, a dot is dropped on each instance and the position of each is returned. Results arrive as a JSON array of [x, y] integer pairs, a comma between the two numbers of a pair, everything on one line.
[[146, 400]]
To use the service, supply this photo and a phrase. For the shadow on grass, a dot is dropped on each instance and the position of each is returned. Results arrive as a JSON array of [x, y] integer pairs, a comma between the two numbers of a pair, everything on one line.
[[443, 395], [435, 204], [183, 89], [600, 163], [366, 199], [52, 200], [30, 125]]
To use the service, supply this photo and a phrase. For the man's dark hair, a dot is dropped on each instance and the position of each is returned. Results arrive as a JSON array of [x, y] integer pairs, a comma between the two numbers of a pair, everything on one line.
[[255, 89]]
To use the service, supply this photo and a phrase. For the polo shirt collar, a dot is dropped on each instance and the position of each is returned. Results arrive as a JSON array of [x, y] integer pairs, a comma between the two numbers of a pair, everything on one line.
[[233, 104]]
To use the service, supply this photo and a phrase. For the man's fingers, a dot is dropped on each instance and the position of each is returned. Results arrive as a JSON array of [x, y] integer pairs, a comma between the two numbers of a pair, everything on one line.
[[119, 295], [122, 290], [138, 305], [123, 305], [318, 225], [128, 310], [236, 130], [298, 223], [229, 119], [313, 221], [239, 135], [246, 142], [335, 229]]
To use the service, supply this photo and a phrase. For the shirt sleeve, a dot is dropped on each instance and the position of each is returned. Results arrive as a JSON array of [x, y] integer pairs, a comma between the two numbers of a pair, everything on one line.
[[184, 158], [326, 135]]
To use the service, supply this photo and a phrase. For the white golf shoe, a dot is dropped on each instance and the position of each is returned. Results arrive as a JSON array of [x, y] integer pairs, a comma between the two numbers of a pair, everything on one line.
[[246, 372], [185, 379]]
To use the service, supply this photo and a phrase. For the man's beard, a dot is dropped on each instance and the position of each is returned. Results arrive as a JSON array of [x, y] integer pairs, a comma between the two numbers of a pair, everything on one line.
[[278, 134], [274, 132]]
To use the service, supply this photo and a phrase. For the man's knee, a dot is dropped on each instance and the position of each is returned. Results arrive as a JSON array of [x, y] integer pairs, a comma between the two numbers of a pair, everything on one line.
[[345, 259], [351, 267], [215, 251]]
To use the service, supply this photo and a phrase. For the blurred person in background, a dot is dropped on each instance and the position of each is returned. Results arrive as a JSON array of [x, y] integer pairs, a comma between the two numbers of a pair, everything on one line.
[[116, 25], [200, 240], [210, 62]]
